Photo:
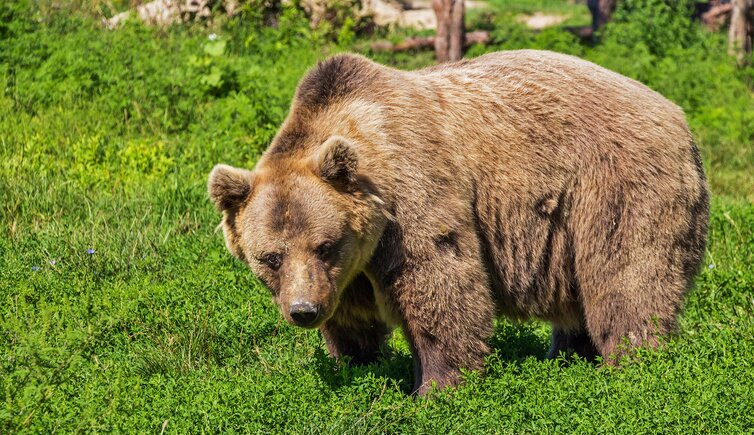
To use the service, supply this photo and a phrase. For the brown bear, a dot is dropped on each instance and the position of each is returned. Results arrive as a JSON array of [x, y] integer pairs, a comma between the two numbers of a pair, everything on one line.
[[521, 183]]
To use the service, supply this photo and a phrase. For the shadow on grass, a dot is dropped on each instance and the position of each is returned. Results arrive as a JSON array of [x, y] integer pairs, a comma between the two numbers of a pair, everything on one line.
[[394, 366], [517, 342], [514, 342]]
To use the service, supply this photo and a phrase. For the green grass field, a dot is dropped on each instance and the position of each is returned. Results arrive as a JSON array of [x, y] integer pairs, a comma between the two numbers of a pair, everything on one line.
[[120, 309]]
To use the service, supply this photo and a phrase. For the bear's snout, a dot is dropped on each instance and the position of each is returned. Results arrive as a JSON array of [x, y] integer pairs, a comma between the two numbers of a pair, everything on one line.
[[304, 313]]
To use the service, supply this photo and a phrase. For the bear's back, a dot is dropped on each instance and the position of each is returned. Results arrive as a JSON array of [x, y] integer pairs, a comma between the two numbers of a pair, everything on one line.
[[561, 94]]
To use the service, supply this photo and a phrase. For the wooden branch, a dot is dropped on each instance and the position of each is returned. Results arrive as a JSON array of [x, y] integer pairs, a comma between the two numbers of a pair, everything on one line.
[[428, 42], [166, 12], [583, 32], [716, 16]]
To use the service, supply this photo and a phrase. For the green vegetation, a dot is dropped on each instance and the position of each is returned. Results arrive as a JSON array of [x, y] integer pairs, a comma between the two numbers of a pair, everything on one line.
[[120, 308]]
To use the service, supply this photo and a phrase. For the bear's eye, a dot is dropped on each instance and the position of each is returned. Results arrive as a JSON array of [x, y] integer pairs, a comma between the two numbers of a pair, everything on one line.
[[272, 260], [325, 250]]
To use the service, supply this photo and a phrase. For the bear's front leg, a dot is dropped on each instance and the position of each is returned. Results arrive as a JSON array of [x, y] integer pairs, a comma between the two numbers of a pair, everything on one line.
[[447, 311], [361, 343], [355, 329]]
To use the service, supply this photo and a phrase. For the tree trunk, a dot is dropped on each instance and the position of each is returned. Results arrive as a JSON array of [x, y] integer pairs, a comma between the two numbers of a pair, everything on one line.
[[449, 41], [601, 11], [741, 33], [457, 30], [716, 16]]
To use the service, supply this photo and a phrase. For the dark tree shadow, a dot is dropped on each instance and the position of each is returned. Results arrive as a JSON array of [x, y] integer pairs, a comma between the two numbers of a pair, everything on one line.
[[392, 365]]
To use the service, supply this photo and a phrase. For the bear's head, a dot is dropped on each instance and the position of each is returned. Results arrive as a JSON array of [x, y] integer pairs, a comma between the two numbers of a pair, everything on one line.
[[306, 225]]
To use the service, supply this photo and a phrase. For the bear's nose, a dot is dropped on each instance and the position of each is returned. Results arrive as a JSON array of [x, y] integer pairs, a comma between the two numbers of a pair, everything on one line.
[[304, 313]]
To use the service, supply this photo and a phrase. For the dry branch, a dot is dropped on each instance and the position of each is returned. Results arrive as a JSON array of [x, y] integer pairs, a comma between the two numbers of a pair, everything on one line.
[[716, 16], [166, 12]]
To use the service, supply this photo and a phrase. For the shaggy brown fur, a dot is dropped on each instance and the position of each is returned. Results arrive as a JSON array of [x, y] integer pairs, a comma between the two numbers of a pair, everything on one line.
[[522, 183]]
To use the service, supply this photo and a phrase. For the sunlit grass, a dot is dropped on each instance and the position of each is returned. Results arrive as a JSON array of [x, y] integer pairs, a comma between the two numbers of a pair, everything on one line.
[[120, 309]]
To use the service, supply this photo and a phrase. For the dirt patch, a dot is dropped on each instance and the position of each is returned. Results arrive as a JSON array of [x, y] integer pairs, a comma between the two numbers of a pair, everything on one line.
[[539, 21]]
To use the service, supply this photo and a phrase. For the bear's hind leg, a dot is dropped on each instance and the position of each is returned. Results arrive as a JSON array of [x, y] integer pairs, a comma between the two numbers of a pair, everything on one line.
[[619, 323], [632, 305], [638, 242]]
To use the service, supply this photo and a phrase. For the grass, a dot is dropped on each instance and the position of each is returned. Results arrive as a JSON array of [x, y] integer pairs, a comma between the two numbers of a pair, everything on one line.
[[106, 139], [577, 14]]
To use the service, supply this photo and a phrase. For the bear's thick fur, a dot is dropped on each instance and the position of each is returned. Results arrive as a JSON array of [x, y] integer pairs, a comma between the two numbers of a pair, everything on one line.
[[521, 183]]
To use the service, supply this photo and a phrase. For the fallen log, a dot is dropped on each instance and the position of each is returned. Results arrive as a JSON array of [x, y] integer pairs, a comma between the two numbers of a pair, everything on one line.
[[716, 16], [428, 42], [166, 12], [583, 32]]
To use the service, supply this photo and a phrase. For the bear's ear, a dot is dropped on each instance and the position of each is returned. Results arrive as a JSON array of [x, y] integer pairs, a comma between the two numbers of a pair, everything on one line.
[[336, 162], [229, 186]]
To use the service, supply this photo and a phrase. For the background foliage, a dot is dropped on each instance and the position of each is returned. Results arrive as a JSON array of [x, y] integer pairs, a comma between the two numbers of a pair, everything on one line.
[[121, 309]]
